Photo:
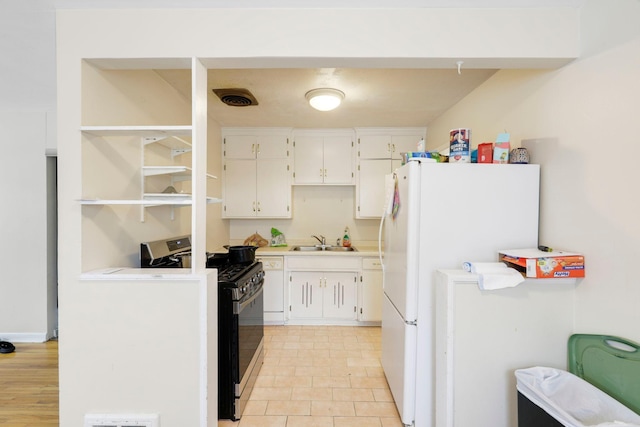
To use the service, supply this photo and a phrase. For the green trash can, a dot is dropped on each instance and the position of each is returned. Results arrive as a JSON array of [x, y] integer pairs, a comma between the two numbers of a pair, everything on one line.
[[602, 386], [610, 363]]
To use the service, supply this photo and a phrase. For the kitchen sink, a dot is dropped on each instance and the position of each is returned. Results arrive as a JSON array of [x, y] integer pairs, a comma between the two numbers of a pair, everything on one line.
[[342, 249], [319, 248], [306, 248]]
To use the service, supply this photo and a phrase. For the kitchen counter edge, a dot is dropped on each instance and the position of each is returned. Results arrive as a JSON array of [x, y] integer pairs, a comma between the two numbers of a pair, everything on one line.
[[362, 251]]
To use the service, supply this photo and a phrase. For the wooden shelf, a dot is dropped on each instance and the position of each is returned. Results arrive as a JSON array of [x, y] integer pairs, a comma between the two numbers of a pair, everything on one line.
[[141, 131], [176, 171], [150, 199]]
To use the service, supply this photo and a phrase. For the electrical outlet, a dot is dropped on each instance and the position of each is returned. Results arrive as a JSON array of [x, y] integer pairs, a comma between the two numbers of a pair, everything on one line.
[[121, 420]]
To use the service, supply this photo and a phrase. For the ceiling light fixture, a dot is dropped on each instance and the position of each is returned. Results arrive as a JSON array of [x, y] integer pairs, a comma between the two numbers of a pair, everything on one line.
[[324, 99]]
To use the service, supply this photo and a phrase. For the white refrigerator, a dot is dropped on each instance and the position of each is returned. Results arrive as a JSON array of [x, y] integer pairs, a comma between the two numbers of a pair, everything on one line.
[[440, 215]]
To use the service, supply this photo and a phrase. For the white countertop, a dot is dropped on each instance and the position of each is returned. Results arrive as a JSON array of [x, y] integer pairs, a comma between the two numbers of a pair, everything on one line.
[[365, 249], [127, 273]]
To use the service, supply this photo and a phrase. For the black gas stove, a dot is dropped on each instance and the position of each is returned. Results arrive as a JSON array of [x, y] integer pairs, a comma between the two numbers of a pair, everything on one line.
[[166, 253], [240, 317]]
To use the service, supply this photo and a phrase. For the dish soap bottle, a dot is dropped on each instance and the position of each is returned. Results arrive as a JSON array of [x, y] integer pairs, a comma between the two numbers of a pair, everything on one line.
[[346, 240]]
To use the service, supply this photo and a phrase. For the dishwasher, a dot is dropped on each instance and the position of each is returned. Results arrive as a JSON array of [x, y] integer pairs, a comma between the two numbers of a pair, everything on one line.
[[273, 267]]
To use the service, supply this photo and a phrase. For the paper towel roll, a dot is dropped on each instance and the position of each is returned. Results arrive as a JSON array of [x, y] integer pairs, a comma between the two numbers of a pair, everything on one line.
[[493, 275], [483, 267]]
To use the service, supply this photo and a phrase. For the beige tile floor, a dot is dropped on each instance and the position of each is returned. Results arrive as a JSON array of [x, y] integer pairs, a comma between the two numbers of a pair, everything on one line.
[[320, 376]]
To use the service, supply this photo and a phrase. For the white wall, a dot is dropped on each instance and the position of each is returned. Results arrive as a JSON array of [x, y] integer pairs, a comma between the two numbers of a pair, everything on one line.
[[319, 210], [24, 287], [355, 38], [129, 351], [582, 120], [217, 230]]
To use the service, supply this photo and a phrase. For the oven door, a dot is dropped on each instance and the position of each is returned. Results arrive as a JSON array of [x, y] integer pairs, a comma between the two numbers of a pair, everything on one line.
[[249, 320]]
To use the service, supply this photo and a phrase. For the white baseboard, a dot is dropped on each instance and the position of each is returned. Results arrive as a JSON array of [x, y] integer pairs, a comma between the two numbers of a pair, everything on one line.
[[24, 337]]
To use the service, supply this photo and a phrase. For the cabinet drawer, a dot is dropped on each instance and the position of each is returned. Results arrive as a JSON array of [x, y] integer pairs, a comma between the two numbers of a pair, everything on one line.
[[330, 263], [371, 264]]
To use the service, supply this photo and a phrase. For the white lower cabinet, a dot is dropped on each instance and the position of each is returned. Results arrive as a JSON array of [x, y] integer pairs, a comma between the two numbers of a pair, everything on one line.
[[322, 295], [273, 289], [370, 291]]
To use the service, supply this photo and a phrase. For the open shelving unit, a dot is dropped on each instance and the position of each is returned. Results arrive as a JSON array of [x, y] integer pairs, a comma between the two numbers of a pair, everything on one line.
[[142, 155], [176, 139]]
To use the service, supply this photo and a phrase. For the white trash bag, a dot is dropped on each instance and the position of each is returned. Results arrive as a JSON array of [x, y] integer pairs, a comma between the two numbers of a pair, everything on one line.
[[572, 401]]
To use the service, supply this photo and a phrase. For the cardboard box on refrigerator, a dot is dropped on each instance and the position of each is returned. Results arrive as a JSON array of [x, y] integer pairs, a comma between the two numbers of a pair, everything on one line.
[[538, 264]]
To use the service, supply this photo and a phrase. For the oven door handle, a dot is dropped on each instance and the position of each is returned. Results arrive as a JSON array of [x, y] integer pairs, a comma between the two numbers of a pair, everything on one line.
[[238, 306]]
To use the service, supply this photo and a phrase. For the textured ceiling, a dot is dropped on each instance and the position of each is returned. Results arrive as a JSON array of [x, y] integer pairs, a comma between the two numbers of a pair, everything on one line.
[[373, 97]]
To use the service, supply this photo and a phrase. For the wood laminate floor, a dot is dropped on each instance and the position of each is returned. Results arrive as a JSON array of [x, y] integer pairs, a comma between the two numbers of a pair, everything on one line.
[[29, 386], [312, 376]]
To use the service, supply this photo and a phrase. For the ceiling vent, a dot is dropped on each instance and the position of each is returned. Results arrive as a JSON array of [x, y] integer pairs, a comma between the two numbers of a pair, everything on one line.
[[236, 97]]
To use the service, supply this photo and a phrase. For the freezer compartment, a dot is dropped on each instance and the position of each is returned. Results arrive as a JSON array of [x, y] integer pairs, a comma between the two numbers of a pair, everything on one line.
[[399, 360]]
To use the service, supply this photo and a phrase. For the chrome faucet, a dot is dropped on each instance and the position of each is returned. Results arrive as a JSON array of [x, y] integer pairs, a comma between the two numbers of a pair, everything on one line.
[[322, 241]]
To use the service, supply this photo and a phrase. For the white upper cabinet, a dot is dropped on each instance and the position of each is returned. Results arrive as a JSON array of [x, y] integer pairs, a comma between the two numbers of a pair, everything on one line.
[[324, 156], [387, 143], [257, 146], [256, 173], [379, 153]]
